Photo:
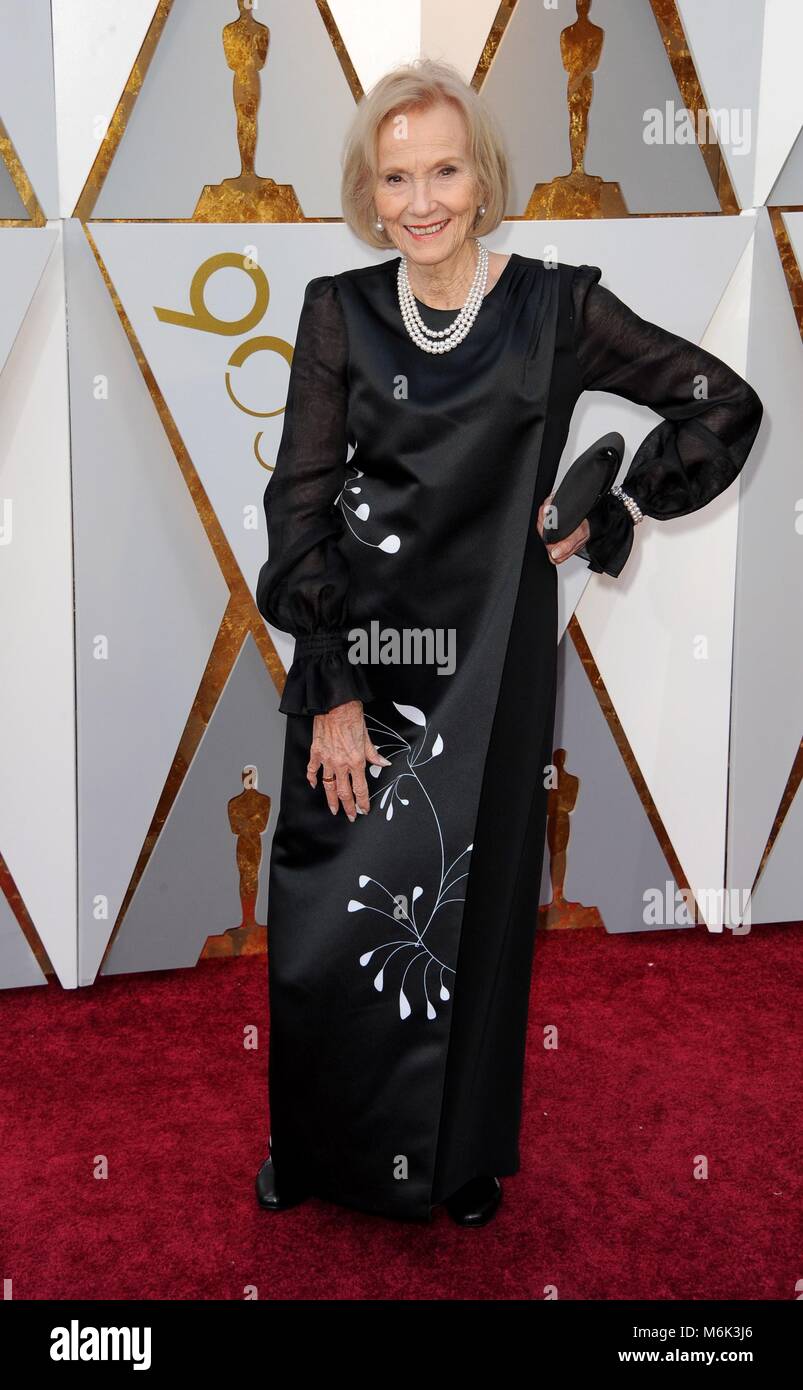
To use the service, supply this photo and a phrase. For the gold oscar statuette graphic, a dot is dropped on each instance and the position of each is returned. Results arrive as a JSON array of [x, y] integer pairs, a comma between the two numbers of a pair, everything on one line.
[[561, 801], [249, 812], [247, 198], [578, 194]]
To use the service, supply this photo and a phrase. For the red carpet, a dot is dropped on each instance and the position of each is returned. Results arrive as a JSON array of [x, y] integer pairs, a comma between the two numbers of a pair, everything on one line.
[[672, 1046]]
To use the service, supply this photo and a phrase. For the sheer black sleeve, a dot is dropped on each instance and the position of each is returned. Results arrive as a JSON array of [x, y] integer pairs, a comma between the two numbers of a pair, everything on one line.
[[711, 415], [303, 586]]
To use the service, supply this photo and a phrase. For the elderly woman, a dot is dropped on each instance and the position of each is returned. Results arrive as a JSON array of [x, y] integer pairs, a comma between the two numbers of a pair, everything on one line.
[[416, 577]]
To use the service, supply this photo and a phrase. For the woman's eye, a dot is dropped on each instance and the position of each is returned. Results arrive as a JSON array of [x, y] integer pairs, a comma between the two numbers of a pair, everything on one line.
[[394, 178]]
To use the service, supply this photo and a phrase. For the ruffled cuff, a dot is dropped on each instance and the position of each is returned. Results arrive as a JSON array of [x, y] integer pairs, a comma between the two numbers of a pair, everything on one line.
[[322, 676], [611, 539]]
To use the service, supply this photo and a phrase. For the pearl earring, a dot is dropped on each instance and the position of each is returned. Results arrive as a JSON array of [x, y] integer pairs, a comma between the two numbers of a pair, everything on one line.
[[379, 224], [481, 210]]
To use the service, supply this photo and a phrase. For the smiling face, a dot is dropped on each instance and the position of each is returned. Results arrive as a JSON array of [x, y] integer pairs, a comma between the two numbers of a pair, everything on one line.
[[426, 191]]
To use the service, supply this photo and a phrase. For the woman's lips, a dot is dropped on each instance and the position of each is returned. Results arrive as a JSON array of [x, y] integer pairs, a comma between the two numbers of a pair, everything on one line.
[[426, 235]]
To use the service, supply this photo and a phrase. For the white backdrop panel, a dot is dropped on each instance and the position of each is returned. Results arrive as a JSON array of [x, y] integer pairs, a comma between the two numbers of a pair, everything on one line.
[[95, 44], [37, 728]]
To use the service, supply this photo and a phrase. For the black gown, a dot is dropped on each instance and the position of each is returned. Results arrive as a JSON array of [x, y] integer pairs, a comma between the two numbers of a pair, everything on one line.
[[400, 944]]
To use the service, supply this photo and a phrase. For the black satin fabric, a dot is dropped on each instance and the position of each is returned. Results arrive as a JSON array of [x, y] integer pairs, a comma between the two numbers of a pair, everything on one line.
[[400, 945]]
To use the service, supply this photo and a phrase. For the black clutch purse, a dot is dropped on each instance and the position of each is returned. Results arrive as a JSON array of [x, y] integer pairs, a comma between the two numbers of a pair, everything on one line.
[[593, 473]]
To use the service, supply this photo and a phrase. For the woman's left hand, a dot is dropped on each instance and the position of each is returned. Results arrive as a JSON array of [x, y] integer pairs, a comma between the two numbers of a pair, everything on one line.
[[562, 550]]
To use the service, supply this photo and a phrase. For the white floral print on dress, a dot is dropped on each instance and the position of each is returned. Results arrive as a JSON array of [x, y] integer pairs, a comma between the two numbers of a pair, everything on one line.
[[412, 949], [390, 544]]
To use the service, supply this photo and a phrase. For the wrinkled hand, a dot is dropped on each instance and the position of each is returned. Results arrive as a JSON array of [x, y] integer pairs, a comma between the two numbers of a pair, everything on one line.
[[341, 745], [562, 550]]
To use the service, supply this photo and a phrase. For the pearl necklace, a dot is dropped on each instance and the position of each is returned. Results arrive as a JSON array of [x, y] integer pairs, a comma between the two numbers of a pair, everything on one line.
[[447, 338]]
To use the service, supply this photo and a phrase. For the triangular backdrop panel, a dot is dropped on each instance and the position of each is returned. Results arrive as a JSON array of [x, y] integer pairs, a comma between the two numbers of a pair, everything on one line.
[[173, 147], [37, 731], [95, 46], [526, 87], [24, 253], [614, 862], [27, 103], [781, 98], [780, 105], [190, 887], [12, 208], [768, 654], [380, 34], [18, 964], [725, 42], [777, 894], [147, 584], [788, 191]]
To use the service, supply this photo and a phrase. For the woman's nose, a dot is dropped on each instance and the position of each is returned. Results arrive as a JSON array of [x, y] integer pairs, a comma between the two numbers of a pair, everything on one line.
[[421, 195]]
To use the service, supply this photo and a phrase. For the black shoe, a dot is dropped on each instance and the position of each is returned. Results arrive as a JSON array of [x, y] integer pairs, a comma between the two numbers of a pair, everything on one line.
[[476, 1202], [268, 1192]]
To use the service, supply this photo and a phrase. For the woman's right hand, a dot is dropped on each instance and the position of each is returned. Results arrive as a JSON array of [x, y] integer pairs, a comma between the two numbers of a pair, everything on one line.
[[562, 550], [341, 747]]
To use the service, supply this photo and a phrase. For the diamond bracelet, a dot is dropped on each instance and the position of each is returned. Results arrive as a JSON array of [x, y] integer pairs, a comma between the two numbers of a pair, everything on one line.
[[632, 505]]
